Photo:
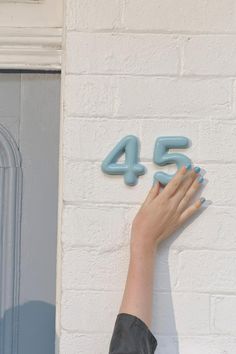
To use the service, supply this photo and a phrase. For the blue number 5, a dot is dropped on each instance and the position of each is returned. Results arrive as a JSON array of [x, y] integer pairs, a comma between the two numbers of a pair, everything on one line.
[[162, 157]]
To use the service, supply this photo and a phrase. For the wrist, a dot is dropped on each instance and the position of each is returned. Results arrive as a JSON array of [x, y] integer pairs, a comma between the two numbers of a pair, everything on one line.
[[141, 248]]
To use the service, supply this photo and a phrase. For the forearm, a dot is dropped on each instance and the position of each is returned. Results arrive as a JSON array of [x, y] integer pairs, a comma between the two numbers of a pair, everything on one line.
[[159, 216], [137, 297]]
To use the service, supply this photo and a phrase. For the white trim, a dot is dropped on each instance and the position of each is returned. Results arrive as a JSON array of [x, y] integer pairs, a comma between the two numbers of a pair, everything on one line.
[[11, 192], [21, 1], [30, 48]]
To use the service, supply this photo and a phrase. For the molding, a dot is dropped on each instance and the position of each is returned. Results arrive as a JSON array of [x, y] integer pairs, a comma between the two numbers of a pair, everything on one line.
[[30, 48], [10, 221], [21, 1]]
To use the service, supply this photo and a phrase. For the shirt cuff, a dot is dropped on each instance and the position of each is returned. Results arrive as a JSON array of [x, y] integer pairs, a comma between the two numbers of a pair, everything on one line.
[[140, 332], [138, 322]]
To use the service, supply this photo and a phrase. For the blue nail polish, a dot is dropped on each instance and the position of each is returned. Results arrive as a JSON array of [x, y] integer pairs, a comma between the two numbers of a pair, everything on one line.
[[202, 200], [200, 179], [197, 169], [188, 167]]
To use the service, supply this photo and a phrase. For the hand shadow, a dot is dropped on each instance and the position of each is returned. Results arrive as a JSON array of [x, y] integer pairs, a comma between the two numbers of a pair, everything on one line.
[[164, 323]]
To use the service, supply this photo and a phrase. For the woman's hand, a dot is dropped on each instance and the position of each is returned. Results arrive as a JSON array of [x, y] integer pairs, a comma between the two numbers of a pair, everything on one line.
[[163, 212]]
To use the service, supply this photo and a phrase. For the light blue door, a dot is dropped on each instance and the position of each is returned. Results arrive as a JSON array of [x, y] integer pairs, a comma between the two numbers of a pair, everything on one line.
[[29, 148]]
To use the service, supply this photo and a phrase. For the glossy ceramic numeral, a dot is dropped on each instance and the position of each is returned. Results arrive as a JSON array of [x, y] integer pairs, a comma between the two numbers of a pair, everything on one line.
[[131, 168], [162, 156]]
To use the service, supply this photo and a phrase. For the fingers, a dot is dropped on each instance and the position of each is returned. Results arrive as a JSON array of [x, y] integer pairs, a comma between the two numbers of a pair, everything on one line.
[[174, 184], [153, 192], [187, 183], [191, 210], [189, 194]]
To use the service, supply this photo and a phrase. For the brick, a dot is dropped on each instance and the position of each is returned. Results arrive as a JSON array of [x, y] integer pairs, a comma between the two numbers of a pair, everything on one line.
[[84, 343], [181, 313], [207, 271], [150, 96], [93, 14], [209, 55], [122, 53], [112, 189], [166, 265], [179, 16], [212, 229], [89, 95], [207, 344], [223, 312], [78, 180], [105, 264], [212, 141], [86, 181], [216, 176], [87, 139], [83, 311], [151, 129], [166, 344], [102, 227], [96, 270]]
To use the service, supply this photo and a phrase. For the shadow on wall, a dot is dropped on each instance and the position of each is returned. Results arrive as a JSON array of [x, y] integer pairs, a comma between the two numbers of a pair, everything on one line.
[[37, 327], [165, 326]]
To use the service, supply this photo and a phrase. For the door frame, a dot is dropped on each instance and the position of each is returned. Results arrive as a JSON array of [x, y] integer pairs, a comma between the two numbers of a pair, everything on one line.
[[27, 46], [30, 48], [31, 34]]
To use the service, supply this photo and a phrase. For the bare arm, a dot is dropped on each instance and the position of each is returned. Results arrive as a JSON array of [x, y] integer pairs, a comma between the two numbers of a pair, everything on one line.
[[159, 216]]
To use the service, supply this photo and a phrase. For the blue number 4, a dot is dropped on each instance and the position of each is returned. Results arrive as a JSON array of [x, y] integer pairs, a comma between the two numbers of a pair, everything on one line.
[[161, 156], [131, 168]]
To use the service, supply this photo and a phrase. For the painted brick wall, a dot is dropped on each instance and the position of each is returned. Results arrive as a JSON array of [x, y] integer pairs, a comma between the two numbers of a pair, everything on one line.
[[148, 68]]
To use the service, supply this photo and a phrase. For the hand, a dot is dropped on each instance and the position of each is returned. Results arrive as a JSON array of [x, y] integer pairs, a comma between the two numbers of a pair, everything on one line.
[[163, 212]]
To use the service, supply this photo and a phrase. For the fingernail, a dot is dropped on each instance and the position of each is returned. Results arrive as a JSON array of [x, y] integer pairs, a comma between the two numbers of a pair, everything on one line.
[[197, 169], [202, 200], [188, 167], [200, 179]]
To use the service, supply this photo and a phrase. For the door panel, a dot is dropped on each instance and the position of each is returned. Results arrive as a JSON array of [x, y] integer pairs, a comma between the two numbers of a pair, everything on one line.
[[30, 110], [10, 218]]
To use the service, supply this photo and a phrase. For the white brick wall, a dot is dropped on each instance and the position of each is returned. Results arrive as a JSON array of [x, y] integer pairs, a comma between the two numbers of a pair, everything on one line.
[[148, 68]]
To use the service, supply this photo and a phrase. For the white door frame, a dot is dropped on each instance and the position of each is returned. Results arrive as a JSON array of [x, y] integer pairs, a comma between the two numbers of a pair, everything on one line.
[[31, 34], [31, 38]]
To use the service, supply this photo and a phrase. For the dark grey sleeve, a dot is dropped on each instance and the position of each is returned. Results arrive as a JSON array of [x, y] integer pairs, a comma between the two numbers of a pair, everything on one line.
[[131, 336]]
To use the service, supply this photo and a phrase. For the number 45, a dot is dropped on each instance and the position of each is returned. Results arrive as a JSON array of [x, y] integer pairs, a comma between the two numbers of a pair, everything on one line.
[[131, 169]]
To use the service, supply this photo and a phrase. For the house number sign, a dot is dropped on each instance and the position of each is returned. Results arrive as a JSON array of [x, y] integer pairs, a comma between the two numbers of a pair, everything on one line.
[[131, 169]]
